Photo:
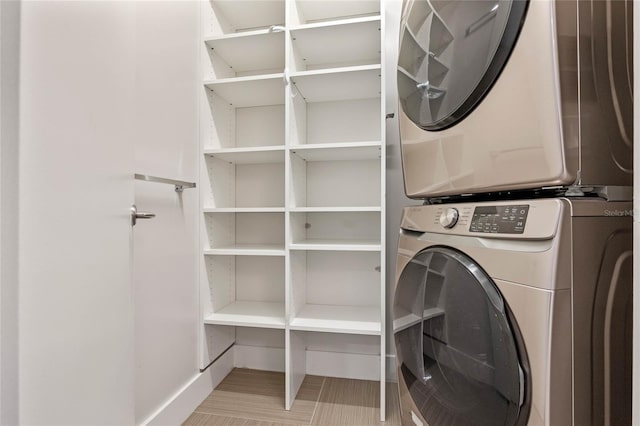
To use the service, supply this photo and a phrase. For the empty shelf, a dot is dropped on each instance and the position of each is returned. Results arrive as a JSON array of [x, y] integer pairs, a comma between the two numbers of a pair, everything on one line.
[[249, 314], [354, 41], [339, 84], [247, 14], [264, 155], [247, 250], [336, 245], [250, 51], [250, 91], [339, 152], [335, 209], [314, 11], [243, 210], [338, 319]]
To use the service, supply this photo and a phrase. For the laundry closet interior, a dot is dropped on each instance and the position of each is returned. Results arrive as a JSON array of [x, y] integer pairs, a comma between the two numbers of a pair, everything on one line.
[[346, 211]]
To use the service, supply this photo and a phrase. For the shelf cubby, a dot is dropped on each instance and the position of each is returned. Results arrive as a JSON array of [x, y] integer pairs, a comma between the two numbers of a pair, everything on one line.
[[241, 185], [334, 182], [225, 126], [336, 44], [345, 231], [232, 16], [336, 292], [334, 355], [338, 84], [246, 291], [256, 233], [335, 122], [245, 54], [259, 348], [309, 11]]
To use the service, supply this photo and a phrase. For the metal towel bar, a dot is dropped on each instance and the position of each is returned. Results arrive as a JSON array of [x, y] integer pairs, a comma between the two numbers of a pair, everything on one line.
[[180, 185]]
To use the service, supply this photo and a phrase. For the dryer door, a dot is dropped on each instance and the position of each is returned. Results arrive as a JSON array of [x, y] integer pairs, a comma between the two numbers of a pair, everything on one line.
[[451, 53], [459, 351]]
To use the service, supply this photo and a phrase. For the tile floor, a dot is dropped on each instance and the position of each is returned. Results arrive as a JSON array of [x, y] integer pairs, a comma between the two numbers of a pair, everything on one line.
[[256, 398]]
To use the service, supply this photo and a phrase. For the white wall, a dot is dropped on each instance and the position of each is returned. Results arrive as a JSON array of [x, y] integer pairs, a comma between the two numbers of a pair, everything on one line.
[[165, 263], [9, 69], [396, 199]]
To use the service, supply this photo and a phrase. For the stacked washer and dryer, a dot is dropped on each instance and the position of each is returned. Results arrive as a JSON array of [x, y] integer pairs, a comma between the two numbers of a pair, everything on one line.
[[512, 301]]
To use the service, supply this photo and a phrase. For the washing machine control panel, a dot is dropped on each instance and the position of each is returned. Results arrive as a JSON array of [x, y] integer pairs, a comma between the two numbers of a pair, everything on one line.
[[509, 219]]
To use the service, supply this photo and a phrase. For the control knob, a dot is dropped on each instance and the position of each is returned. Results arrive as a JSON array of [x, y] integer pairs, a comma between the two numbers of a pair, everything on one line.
[[449, 218]]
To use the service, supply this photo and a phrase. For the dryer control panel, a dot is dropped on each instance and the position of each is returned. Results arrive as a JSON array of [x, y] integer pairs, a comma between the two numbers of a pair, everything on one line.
[[505, 219]]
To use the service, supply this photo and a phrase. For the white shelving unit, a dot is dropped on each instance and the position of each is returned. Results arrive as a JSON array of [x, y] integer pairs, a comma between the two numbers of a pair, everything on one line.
[[292, 188]]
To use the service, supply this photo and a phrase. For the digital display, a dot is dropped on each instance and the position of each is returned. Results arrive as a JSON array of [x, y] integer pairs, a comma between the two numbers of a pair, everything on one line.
[[499, 219]]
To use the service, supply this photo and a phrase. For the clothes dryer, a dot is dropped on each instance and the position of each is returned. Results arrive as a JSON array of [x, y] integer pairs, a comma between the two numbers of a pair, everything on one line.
[[502, 95], [515, 313]]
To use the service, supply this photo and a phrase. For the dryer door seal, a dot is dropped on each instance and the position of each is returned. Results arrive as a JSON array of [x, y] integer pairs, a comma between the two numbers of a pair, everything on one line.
[[459, 351]]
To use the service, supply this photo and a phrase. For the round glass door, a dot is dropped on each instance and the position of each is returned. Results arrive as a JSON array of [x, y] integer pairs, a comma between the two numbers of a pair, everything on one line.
[[451, 53], [458, 348]]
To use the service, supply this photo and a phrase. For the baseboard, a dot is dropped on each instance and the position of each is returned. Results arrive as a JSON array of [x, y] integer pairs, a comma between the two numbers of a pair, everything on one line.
[[178, 408]]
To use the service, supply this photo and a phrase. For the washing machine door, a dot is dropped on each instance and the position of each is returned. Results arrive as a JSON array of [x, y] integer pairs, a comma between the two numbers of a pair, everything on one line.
[[460, 356], [451, 53]]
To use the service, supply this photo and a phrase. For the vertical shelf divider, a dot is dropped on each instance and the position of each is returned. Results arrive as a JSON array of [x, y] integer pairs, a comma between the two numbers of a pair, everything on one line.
[[383, 209], [291, 343]]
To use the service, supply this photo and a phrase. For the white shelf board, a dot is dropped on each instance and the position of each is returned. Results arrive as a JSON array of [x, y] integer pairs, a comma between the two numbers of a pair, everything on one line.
[[339, 84], [314, 11], [335, 152], [243, 210], [247, 14], [247, 250], [249, 314], [338, 319], [262, 155], [335, 209], [336, 145], [336, 245], [346, 41], [250, 51], [250, 91]]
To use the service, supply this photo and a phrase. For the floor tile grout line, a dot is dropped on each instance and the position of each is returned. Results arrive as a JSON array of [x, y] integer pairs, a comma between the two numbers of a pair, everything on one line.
[[315, 407]]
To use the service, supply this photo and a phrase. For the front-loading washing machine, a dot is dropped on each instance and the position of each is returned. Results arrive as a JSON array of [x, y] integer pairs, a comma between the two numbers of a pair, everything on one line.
[[502, 95], [515, 313]]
